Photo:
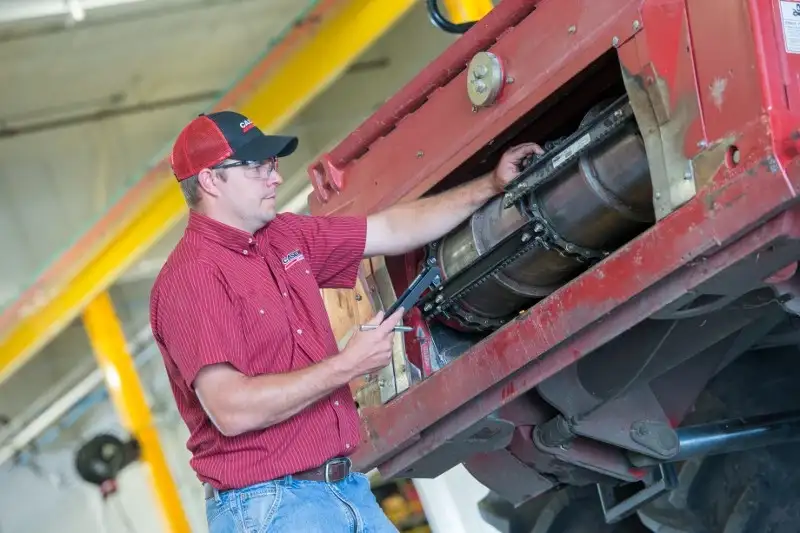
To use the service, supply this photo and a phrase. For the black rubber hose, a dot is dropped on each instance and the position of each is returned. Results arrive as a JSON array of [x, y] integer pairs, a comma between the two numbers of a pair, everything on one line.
[[442, 23]]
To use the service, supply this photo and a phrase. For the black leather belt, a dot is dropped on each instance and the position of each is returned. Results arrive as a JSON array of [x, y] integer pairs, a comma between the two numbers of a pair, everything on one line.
[[334, 470], [331, 472]]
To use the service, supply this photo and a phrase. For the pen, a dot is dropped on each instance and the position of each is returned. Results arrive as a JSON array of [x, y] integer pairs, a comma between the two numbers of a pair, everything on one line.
[[367, 327]]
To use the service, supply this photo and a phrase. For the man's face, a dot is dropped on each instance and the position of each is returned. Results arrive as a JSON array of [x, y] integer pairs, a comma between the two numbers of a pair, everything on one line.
[[248, 191]]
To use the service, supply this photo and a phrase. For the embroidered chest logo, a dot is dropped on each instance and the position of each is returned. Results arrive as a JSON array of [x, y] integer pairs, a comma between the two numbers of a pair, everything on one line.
[[292, 258]]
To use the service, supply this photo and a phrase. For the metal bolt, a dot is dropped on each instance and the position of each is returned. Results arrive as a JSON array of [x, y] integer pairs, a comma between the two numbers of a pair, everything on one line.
[[428, 307], [687, 175], [702, 144], [439, 298], [474, 109], [636, 25], [572, 29], [658, 195], [510, 79], [480, 71], [526, 237], [420, 153], [480, 87], [615, 41], [358, 297]]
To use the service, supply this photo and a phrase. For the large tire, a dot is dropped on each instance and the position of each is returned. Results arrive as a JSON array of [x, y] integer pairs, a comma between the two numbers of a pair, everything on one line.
[[577, 510], [757, 491], [570, 510]]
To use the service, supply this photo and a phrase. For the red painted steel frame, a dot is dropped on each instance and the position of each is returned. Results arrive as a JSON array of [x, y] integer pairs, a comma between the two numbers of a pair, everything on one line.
[[723, 60]]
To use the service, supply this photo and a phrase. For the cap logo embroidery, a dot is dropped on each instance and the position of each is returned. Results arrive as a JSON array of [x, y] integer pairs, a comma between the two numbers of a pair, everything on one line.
[[246, 125], [292, 258]]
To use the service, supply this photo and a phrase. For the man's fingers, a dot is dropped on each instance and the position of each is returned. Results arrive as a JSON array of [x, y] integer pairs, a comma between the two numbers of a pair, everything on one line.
[[392, 320], [524, 147], [376, 319], [529, 148]]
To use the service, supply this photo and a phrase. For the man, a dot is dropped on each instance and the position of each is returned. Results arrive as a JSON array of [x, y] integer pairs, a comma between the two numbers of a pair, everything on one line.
[[246, 341]]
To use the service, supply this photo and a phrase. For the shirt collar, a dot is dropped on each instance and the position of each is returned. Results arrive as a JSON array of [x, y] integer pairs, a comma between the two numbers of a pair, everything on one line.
[[228, 236]]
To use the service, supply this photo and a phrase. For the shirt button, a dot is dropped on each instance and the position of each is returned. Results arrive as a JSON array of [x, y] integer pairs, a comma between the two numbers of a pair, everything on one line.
[[307, 272], [261, 311], [347, 445], [299, 331], [250, 240], [336, 402], [285, 295], [244, 252]]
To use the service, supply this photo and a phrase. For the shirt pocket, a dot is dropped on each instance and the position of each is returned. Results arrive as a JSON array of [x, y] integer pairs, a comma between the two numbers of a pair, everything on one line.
[[266, 330]]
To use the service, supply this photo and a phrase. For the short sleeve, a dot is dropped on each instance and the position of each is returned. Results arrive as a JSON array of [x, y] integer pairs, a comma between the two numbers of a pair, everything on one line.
[[334, 246], [196, 320]]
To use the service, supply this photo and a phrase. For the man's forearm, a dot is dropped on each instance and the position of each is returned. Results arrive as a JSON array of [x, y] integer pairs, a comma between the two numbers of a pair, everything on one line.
[[414, 224], [254, 403]]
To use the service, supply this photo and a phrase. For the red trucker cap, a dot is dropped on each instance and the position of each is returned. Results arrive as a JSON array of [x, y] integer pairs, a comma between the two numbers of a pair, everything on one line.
[[212, 138]]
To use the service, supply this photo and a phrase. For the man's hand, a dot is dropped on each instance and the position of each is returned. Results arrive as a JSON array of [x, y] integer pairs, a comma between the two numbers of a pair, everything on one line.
[[369, 351], [509, 166]]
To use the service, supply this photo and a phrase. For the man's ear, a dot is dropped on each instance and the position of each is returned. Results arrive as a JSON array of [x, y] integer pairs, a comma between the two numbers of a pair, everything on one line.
[[207, 179]]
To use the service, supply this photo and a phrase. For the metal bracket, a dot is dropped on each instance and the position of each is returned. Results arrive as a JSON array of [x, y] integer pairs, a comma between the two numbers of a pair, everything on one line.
[[615, 510], [550, 165]]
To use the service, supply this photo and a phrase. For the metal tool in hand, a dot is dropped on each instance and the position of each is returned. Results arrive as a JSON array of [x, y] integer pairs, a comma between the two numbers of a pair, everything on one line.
[[368, 327], [427, 278]]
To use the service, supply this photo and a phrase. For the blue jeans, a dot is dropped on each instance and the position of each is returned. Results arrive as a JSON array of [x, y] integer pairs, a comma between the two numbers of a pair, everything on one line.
[[290, 505]]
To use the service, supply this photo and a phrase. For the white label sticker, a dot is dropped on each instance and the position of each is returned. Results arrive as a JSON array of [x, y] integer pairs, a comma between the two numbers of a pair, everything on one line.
[[790, 16], [571, 150]]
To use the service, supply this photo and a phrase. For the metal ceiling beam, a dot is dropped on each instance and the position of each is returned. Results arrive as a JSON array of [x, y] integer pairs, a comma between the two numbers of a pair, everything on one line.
[[312, 56]]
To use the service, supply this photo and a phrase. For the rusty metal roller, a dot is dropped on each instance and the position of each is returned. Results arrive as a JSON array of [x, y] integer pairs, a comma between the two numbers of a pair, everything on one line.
[[602, 202]]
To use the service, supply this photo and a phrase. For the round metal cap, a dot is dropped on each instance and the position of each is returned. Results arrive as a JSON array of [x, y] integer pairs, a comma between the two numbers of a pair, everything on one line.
[[485, 78]]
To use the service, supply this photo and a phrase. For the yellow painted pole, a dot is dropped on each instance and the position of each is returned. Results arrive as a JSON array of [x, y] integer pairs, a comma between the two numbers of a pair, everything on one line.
[[467, 10], [108, 342]]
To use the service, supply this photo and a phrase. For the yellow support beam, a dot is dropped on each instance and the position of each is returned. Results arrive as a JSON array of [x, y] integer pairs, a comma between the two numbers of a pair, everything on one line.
[[152, 210], [461, 11], [108, 342]]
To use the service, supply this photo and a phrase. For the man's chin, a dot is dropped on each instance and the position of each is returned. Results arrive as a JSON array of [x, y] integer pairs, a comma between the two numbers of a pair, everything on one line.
[[268, 216]]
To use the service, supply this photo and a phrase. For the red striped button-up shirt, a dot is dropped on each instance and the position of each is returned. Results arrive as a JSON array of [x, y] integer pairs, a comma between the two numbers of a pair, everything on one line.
[[253, 301]]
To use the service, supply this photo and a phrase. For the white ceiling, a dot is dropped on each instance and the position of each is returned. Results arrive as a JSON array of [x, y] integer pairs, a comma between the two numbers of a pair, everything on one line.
[[85, 106]]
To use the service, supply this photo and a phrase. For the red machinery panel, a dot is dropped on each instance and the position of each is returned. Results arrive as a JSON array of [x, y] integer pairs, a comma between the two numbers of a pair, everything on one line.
[[722, 83]]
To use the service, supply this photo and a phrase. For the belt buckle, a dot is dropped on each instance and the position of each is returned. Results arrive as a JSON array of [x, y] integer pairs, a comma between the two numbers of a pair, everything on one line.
[[341, 464]]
